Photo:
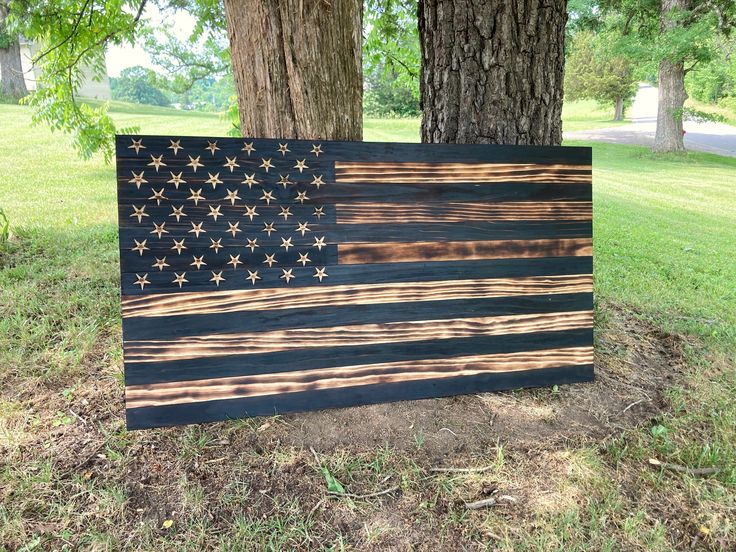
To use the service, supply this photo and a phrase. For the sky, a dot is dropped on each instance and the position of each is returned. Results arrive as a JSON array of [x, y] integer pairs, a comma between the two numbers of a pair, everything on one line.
[[122, 57]]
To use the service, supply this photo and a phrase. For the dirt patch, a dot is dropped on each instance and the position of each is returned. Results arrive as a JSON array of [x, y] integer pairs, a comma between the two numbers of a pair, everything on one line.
[[634, 365]]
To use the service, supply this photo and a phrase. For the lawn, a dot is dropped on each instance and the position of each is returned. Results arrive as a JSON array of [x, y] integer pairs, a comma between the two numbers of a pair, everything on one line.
[[71, 477]]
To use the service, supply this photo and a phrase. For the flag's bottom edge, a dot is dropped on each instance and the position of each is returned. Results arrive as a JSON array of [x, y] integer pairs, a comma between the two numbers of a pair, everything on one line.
[[212, 411]]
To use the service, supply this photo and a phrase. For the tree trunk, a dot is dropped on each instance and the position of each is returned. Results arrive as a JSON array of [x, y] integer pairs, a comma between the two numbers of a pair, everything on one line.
[[12, 81], [492, 70], [298, 67], [618, 114], [672, 93]]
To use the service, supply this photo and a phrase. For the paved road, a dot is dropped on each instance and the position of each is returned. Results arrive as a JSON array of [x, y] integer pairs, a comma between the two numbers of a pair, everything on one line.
[[711, 137]]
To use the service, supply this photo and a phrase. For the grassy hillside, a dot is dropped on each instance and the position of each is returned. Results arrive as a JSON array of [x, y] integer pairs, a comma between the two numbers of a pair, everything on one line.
[[71, 477]]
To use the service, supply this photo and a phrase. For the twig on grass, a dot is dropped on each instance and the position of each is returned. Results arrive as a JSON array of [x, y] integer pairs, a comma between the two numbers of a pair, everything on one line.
[[493, 501], [461, 470], [683, 469], [634, 404], [369, 495], [78, 417]]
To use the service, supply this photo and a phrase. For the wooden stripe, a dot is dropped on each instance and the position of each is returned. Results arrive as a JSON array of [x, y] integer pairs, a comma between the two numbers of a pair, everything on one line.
[[355, 335], [361, 253], [160, 394], [179, 304], [400, 213], [442, 173]]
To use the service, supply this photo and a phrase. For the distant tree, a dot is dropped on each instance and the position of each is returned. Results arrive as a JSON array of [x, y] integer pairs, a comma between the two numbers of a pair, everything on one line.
[[12, 81], [136, 85], [594, 71]]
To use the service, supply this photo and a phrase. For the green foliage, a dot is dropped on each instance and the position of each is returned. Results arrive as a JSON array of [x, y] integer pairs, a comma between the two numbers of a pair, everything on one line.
[[73, 36], [391, 58], [594, 71], [137, 85], [715, 80], [4, 229]]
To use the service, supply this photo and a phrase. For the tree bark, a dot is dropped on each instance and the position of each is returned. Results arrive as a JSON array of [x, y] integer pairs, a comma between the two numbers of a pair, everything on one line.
[[672, 95], [298, 67], [12, 81], [492, 70], [618, 114]]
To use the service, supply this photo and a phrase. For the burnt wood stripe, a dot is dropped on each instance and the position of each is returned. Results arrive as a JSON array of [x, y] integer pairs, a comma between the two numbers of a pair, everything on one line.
[[452, 251], [359, 294], [165, 327], [443, 173], [216, 345], [138, 396], [399, 213], [310, 359], [269, 405]]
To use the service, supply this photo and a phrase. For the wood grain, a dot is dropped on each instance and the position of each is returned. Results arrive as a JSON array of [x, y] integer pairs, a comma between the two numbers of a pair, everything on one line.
[[138, 396]]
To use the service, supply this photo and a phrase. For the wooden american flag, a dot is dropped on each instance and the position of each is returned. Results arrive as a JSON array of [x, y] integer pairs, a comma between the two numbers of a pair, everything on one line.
[[268, 276]]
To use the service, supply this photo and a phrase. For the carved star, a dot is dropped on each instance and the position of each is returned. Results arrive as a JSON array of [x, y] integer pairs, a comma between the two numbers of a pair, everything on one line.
[[235, 260], [286, 212], [284, 180], [320, 273], [267, 197], [159, 229], [138, 179], [287, 275], [140, 247], [196, 196], [179, 278], [158, 196], [198, 261], [317, 181], [318, 212], [177, 212], [137, 145], [214, 212], [270, 260], [212, 146], [216, 244], [268, 227], [266, 164], [301, 165], [250, 212], [142, 280], [197, 229], [248, 148], [319, 243], [233, 228], [316, 150], [286, 243], [283, 148], [301, 196], [140, 213], [157, 162], [194, 162], [160, 263], [232, 195], [217, 278], [304, 259], [252, 244], [231, 163], [176, 179], [250, 180], [253, 276], [303, 228], [213, 179], [175, 145], [179, 245]]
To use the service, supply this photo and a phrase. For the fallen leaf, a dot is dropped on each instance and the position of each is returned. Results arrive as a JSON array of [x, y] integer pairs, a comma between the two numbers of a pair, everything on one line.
[[168, 523]]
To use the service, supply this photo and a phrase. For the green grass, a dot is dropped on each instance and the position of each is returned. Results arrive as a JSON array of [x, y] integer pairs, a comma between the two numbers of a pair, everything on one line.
[[664, 231], [587, 115]]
